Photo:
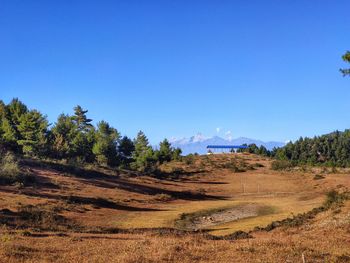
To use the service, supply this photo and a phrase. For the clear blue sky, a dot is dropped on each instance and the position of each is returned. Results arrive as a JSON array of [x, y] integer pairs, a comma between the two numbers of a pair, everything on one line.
[[261, 69]]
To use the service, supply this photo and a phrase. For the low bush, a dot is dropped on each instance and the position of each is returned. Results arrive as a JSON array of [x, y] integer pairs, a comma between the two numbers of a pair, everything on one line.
[[163, 197], [189, 159], [335, 199], [281, 165], [258, 165], [318, 177], [44, 219], [9, 169]]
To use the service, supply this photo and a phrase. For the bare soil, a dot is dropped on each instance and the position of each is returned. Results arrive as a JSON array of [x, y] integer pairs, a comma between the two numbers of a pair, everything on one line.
[[207, 219]]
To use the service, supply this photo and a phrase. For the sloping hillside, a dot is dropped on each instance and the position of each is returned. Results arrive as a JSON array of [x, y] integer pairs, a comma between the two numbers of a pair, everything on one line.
[[97, 210]]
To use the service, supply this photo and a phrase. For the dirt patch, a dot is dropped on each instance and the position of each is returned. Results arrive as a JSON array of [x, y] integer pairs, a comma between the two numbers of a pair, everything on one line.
[[208, 218]]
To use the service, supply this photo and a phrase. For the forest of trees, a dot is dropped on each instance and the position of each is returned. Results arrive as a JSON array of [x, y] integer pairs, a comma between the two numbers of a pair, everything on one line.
[[74, 138], [331, 149]]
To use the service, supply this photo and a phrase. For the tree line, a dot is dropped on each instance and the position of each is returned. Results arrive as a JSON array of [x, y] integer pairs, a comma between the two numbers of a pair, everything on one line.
[[253, 148], [332, 149], [74, 138]]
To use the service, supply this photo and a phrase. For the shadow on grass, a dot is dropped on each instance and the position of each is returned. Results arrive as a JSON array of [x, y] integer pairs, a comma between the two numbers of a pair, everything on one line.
[[38, 218], [208, 182], [95, 202], [100, 179], [151, 190], [73, 170]]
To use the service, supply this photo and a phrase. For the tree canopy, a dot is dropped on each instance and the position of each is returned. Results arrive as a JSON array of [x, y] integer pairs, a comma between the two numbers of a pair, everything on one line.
[[75, 138], [346, 58], [331, 149]]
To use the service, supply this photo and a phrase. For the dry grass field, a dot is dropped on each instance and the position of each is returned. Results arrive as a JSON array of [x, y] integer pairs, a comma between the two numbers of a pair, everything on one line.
[[195, 211]]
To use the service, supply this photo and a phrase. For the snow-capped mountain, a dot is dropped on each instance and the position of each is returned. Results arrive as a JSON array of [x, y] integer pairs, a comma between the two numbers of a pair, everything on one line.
[[199, 142]]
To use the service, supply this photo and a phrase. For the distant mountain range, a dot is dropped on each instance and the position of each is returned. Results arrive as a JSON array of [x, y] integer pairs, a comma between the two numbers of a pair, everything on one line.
[[198, 143]]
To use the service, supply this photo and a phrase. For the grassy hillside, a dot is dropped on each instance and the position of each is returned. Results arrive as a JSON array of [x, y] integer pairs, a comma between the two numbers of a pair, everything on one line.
[[188, 210]]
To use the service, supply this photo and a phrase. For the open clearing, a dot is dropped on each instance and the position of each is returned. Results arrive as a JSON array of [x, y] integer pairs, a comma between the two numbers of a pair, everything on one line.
[[209, 194]]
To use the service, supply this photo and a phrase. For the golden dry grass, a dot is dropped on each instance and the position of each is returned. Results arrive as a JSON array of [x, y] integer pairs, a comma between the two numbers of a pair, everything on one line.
[[144, 202], [325, 239]]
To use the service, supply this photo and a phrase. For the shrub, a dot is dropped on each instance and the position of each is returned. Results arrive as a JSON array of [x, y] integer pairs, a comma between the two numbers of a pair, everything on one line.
[[335, 198], [281, 165], [318, 177], [9, 169], [163, 197], [258, 165], [189, 159], [176, 170], [44, 219]]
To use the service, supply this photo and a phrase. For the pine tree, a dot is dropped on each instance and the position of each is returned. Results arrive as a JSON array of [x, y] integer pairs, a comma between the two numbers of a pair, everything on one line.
[[263, 151], [80, 119], [125, 150], [2, 117], [165, 152], [176, 154], [32, 129], [105, 147], [144, 159], [10, 119], [2, 110], [64, 132], [8, 136], [84, 138], [346, 58], [15, 109]]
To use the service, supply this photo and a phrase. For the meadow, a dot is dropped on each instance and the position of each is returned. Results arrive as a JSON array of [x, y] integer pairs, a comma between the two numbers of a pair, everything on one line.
[[216, 208]]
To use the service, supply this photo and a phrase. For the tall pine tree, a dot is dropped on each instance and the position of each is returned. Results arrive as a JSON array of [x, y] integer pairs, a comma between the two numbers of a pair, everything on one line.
[[33, 130], [64, 132], [144, 159], [105, 147], [80, 119]]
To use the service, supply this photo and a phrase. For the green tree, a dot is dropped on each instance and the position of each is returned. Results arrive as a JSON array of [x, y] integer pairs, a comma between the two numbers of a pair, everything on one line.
[[263, 151], [84, 138], [252, 148], [105, 147], [125, 150], [15, 109], [10, 119], [64, 132], [32, 129], [177, 154], [346, 58], [82, 144], [165, 152], [80, 119], [143, 156], [2, 110], [8, 135]]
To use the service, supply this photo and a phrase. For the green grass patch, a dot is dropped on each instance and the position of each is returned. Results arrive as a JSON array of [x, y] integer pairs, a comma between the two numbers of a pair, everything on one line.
[[267, 210]]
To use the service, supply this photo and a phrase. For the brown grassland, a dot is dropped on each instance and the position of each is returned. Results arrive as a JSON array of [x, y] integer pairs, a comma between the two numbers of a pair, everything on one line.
[[216, 208]]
